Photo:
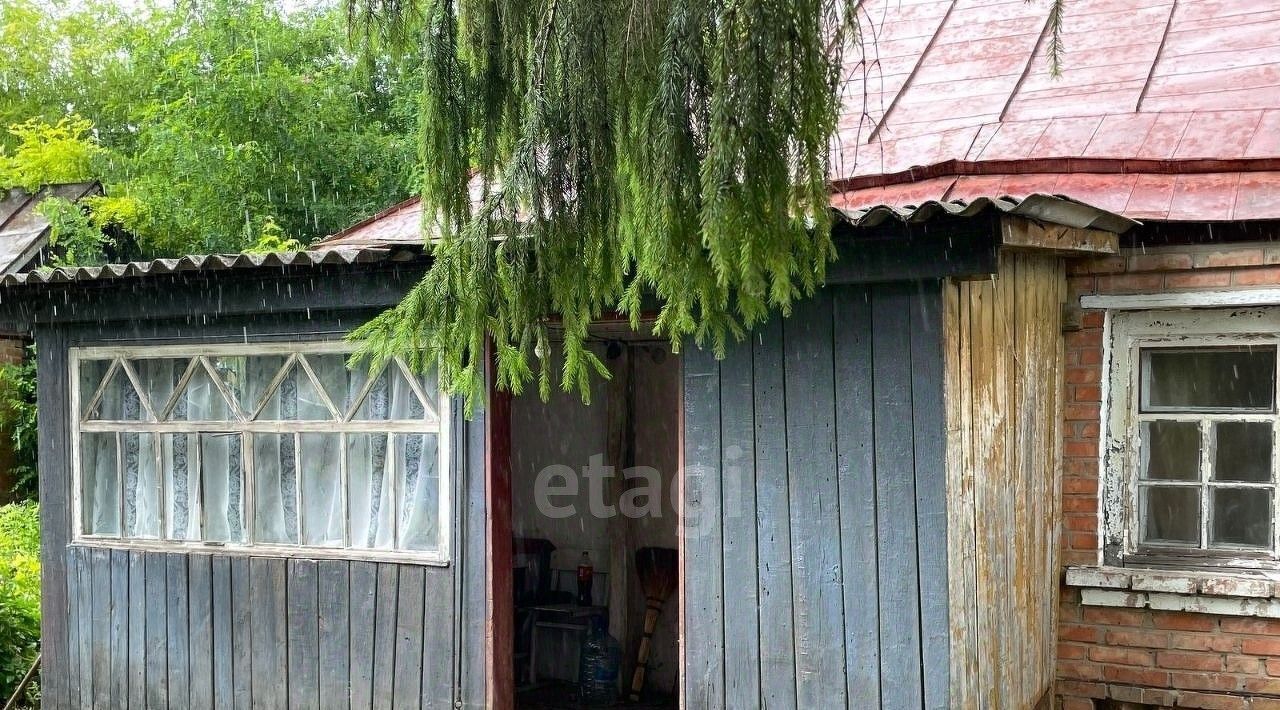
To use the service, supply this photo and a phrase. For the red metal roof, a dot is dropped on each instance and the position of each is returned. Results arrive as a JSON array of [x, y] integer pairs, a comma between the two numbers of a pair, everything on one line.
[[1163, 110]]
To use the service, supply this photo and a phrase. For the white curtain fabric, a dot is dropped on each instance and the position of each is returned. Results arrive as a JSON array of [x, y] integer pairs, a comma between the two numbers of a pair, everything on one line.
[[100, 481], [417, 470], [321, 464]]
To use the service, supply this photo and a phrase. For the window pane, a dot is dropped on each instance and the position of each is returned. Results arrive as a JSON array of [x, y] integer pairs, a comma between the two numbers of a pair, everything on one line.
[[1243, 451], [430, 383], [201, 400], [295, 398], [1171, 450], [119, 400], [178, 457], [369, 499], [141, 486], [342, 385], [159, 377], [1241, 516], [100, 477], [91, 374], [322, 516], [418, 473], [1171, 514], [222, 486], [275, 503], [1209, 378], [247, 377], [390, 398]]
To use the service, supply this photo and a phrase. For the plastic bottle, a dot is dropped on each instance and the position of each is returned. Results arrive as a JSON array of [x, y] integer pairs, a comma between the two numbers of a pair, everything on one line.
[[598, 666]]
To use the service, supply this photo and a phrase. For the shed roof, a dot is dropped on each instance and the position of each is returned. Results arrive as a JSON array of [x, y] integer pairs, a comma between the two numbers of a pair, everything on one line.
[[1163, 110], [23, 231]]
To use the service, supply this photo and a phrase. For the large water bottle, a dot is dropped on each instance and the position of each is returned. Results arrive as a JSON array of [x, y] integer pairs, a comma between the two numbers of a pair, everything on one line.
[[598, 666]]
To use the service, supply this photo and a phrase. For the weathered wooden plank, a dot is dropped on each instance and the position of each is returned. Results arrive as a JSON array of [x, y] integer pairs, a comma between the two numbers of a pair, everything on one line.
[[267, 594], [988, 460], [1056, 238], [137, 653], [157, 688], [84, 600], [900, 661], [200, 596], [303, 629], [59, 684], [928, 418], [384, 636], [960, 522], [364, 596], [178, 631], [241, 633], [704, 593], [472, 543], [333, 602], [100, 605], [119, 646], [410, 631], [72, 670], [738, 516], [438, 638], [856, 467], [773, 521], [222, 684], [1005, 492], [817, 575]]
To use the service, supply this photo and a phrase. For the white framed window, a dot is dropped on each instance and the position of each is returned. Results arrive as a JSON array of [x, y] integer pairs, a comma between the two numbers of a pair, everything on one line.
[[274, 446], [1192, 425]]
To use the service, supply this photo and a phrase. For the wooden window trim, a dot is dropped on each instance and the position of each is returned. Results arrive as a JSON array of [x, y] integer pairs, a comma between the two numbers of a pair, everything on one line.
[[244, 424]]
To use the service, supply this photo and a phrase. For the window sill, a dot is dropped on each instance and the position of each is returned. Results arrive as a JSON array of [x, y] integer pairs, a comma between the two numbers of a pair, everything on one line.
[[1163, 590]]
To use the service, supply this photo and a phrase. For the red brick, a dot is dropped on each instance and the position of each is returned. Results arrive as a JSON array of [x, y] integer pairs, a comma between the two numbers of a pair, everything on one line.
[[1083, 467], [1080, 523], [1100, 265], [1130, 282], [1142, 639], [1183, 660], [1232, 257], [1123, 656], [1079, 411], [1080, 557], [1079, 485], [1086, 393], [1136, 676], [1256, 277], [1197, 279], [1093, 319], [1204, 681], [1207, 701], [1265, 704], [1159, 262], [1080, 504], [1273, 666], [1075, 632], [1091, 356], [1242, 625], [1079, 670], [1076, 652], [1082, 689], [1247, 665], [1183, 622], [1270, 686], [1261, 646], [1204, 642], [1088, 430], [1083, 375], [1080, 448], [1077, 704], [1082, 540]]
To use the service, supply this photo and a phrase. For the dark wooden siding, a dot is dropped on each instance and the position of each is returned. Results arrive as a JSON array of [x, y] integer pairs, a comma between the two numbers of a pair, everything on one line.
[[142, 629], [815, 500]]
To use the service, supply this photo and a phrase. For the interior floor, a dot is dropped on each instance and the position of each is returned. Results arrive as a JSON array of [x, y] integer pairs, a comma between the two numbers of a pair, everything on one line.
[[562, 695]]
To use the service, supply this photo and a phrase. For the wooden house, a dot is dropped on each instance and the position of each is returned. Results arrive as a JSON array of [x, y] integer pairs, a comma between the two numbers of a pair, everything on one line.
[[872, 501]]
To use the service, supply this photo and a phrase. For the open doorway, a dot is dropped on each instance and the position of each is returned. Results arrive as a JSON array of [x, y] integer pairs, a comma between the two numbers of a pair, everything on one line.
[[593, 529]]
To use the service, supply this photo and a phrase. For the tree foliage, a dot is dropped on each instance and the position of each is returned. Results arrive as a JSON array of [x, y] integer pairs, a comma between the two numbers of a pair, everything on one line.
[[579, 155], [205, 119]]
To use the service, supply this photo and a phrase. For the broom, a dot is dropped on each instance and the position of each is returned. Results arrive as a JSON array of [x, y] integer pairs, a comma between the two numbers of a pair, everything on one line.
[[657, 567]]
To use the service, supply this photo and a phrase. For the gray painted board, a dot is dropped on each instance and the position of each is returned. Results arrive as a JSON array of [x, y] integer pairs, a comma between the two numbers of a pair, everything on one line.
[[156, 632], [472, 574], [267, 611], [72, 671], [333, 622], [200, 619], [222, 628], [364, 598], [410, 631], [84, 602], [304, 644], [119, 646], [100, 609], [241, 634], [59, 686], [137, 629], [438, 622], [179, 634], [384, 636]]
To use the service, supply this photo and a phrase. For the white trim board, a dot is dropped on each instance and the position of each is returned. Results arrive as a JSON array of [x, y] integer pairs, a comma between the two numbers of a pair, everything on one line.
[[1182, 299]]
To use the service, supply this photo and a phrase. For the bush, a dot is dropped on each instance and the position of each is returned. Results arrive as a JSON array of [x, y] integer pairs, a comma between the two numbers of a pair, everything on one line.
[[18, 418], [19, 595]]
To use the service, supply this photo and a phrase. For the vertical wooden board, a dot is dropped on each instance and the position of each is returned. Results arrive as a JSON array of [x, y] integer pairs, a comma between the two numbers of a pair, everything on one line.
[[472, 542], [854, 419], [384, 636], [241, 634], [407, 685], [267, 608], [929, 423], [901, 680], [704, 650], [119, 647], [773, 521], [333, 600], [1005, 491], [988, 459], [72, 670], [738, 516], [59, 683], [364, 596], [100, 609], [157, 692], [84, 602], [817, 573], [137, 629], [437, 638], [200, 619], [178, 632], [222, 627], [303, 629], [960, 549]]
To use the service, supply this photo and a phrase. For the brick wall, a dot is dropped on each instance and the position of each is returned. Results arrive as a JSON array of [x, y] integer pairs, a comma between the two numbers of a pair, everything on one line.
[[1156, 658]]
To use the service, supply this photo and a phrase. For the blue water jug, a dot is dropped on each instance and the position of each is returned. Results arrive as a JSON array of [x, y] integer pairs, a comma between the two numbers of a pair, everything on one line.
[[598, 666]]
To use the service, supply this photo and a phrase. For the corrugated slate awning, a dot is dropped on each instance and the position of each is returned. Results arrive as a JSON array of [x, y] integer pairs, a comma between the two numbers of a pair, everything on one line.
[[1052, 209]]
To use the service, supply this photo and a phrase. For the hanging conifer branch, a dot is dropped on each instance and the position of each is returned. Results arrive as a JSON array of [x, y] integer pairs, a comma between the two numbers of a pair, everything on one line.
[[581, 156]]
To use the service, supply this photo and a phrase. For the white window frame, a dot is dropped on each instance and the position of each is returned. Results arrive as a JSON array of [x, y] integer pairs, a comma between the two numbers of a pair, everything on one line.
[[1125, 334], [242, 426]]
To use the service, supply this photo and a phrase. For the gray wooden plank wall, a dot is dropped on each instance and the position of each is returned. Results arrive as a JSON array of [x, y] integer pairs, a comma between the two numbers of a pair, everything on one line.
[[814, 495]]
